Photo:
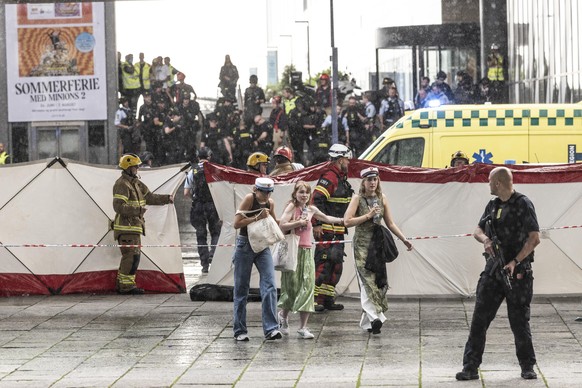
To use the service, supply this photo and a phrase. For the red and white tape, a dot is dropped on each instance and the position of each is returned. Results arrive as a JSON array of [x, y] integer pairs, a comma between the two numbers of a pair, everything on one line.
[[232, 245]]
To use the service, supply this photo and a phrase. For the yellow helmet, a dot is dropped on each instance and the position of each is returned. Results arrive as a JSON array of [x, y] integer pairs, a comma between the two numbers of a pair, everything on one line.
[[256, 158], [459, 155], [129, 160]]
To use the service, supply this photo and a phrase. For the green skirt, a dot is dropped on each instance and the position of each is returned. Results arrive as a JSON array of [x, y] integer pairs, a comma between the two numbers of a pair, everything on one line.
[[297, 287]]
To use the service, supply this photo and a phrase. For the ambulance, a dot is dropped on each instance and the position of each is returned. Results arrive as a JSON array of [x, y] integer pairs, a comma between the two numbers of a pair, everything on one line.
[[496, 134]]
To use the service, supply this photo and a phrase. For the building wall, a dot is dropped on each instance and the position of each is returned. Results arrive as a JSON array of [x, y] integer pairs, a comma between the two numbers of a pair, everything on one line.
[[545, 54]]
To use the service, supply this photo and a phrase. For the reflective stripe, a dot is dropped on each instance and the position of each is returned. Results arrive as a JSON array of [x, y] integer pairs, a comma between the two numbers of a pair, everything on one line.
[[125, 280], [333, 228], [243, 135], [122, 228], [338, 200], [122, 197], [322, 190]]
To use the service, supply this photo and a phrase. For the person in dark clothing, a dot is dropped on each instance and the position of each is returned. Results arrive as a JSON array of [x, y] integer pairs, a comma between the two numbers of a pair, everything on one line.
[[263, 131], [331, 195], [228, 79], [217, 138], [512, 216], [203, 214], [278, 120], [149, 131], [189, 110], [253, 98], [129, 133]]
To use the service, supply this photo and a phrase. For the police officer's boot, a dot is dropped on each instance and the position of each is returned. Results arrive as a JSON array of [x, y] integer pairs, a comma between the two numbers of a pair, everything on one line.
[[467, 373]]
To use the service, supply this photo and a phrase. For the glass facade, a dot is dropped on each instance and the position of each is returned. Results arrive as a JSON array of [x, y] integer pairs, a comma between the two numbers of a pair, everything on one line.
[[545, 53]]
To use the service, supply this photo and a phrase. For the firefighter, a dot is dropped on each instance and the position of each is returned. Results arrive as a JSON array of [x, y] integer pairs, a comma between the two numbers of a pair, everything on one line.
[[459, 158], [257, 163], [331, 195], [130, 196]]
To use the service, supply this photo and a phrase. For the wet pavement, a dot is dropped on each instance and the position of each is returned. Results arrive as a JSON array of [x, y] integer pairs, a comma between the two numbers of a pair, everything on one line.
[[167, 340]]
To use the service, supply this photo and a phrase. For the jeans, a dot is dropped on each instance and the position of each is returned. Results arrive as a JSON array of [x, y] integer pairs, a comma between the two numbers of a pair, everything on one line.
[[243, 261]]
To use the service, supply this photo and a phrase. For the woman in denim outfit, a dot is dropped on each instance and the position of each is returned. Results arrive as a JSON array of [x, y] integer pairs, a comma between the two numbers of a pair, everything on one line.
[[255, 206]]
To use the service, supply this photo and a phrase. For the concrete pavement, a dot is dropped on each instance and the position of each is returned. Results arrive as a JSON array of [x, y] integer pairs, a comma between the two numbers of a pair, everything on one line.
[[168, 340]]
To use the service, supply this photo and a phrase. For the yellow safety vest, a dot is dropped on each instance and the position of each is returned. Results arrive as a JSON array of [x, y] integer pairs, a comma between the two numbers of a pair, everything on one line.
[[145, 74], [171, 82], [3, 157], [290, 104], [130, 81], [495, 73]]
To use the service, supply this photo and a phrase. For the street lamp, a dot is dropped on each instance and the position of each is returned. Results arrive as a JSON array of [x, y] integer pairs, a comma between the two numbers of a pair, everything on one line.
[[308, 54]]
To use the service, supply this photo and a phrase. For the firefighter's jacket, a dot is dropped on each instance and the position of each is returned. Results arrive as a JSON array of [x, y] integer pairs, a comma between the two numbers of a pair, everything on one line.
[[130, 196]]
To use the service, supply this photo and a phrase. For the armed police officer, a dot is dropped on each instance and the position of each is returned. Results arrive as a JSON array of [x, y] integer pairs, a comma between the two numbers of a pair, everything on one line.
[[331, 195], [203, 214], [510, 238], [130, 197]]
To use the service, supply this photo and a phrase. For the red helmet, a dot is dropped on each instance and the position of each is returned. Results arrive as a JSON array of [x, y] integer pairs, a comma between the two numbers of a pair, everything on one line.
[[285, 152], [324, 76]]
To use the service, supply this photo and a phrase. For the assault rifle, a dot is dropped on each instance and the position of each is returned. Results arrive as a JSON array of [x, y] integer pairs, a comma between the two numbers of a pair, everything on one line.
[[497, 253]]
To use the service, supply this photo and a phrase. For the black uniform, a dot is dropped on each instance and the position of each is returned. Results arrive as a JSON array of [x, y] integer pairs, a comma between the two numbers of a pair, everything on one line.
[[513, 221], [150, 132], [203, 214]]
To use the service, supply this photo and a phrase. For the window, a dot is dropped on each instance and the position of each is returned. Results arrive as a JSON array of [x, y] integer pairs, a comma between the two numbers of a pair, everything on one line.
[[406, 152]]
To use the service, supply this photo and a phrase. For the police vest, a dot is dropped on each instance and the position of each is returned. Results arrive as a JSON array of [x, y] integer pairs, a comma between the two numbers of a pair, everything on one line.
[[200, 189], [495, 73], [130, 81], [145, 74]]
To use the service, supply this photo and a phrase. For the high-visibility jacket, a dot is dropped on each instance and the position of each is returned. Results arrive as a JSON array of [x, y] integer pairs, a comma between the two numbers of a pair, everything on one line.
[[290, 104], [171, 72], [495, 71], [130, 195], [130, 81], [145, 74], [3, 156]]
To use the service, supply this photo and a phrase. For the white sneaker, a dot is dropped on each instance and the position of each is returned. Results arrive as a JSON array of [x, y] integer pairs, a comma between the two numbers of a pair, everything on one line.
[[274, 335], [305, 334], [242, 337], [283, 324]]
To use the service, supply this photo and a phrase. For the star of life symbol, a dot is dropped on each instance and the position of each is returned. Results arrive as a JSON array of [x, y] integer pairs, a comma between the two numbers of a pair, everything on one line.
[[483, 157]]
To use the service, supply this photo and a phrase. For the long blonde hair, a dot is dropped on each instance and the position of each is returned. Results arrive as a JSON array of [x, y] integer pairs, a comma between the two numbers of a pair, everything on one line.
[[299, 185]]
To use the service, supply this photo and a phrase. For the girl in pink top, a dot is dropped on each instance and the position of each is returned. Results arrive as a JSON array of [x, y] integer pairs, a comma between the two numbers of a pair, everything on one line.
[[297, 287]]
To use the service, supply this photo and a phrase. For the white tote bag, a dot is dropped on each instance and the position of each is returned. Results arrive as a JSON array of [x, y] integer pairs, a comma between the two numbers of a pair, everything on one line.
[[263, 233], [285, 253]]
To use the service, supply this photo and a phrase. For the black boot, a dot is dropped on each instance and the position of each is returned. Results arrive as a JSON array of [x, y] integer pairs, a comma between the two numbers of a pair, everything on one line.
[[467, 374], [528, 373], [333, 306]]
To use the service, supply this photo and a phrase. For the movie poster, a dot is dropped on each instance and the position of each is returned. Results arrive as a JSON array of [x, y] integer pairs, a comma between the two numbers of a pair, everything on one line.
[[56, 62]]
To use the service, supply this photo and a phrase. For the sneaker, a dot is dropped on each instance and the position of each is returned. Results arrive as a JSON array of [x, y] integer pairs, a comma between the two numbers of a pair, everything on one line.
[[319, 308], [242, 337], [579, 319], [376, 326], [528, 373], [334, 306], [305, 333], [467, 374], [283, 323], [275, 334]]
